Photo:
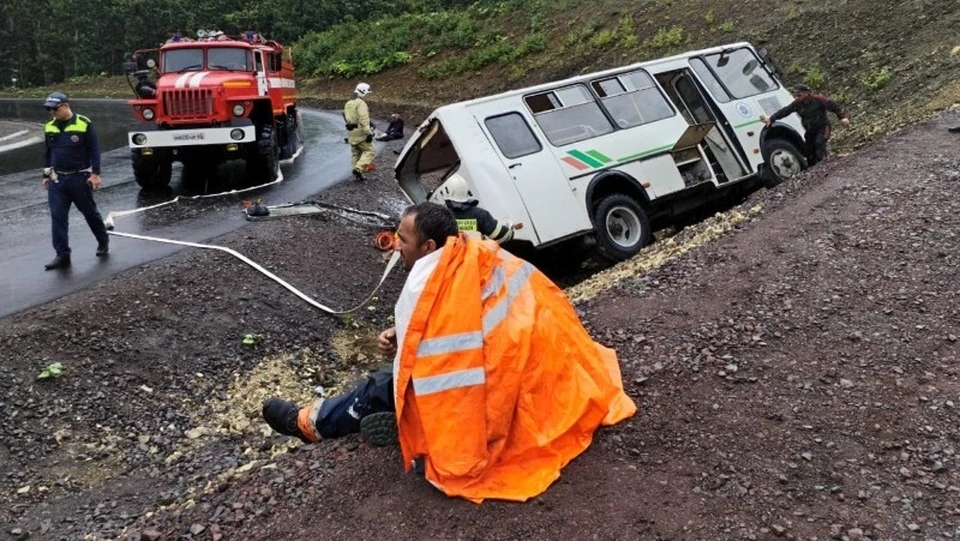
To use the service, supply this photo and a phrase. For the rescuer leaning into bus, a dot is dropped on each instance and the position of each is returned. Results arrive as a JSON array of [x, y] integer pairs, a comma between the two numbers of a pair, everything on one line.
[[455, 194], [495, 384]]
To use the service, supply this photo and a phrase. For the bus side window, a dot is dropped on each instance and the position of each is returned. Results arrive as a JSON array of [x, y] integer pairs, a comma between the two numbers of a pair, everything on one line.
[[513, 136], [632, 99], [568, 115]]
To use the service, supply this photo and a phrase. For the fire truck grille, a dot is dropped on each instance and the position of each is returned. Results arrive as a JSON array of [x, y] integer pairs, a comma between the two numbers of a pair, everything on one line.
[[187, 104]]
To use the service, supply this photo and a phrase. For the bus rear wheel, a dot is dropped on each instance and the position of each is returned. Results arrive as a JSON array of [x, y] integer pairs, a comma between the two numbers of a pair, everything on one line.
[[622, 227]]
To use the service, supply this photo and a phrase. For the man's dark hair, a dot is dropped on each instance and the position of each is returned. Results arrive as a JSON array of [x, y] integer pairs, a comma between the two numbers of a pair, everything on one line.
[[433, 222]]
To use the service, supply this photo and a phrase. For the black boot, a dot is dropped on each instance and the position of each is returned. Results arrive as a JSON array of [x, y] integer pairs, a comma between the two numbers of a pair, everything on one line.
[[380, 429], [59, 262], [357, 175], [955, 129], [103, 248], [282, 415]]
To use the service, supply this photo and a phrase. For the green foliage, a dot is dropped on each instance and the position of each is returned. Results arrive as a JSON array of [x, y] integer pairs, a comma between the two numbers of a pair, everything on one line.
[[627, 31], [793, 13], [501, 51], [603, 38], [581, 35], [536, 22], [252, 339], [667, 38], [102, 33], [709, 17], [53, 370], [877, 79], [814, 77], [727, 26]]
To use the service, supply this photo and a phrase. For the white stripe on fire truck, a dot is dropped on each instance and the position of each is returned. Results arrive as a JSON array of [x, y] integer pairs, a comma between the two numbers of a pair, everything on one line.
[[277, 82], [195, 82], [182, 80]]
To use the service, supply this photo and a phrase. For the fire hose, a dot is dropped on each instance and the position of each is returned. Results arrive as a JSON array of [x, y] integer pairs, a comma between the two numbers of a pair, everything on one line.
[[390, 265]]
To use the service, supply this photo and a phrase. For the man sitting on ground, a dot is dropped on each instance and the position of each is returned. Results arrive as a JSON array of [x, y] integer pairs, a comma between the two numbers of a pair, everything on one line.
[[394, 129], [495, 384]]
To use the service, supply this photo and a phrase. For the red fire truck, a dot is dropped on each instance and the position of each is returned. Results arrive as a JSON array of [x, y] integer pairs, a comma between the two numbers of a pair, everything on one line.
[[212, 99]]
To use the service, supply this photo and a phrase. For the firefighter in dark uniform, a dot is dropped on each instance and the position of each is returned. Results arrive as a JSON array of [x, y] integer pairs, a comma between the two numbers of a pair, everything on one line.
[[71, 174], [455, 194], [812, 109]]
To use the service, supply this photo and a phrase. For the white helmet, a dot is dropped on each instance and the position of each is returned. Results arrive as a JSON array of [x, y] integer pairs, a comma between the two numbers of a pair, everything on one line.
[[455, 189], [363, 89]]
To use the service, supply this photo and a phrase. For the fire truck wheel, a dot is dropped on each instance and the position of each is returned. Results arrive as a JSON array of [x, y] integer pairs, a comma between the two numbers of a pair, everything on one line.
[[152, 172], [264, 166], [622, 227]]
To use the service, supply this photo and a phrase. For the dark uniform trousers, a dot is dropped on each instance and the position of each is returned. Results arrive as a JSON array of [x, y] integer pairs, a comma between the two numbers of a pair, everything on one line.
[[72, 188], [340, 415]]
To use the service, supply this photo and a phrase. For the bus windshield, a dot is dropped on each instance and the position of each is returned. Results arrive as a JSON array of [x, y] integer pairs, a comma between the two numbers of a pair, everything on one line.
[[741, 73]]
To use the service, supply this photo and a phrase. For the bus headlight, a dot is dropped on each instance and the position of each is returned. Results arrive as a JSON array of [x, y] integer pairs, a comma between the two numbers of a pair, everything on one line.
[[139, 138], [236, 134], [238, 110], [147, 113]]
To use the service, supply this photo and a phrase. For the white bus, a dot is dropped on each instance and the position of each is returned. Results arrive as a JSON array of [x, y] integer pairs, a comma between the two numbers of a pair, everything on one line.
[[602, 155]]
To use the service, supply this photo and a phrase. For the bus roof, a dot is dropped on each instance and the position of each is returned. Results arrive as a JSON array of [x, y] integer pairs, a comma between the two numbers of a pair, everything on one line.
[[580, 78]]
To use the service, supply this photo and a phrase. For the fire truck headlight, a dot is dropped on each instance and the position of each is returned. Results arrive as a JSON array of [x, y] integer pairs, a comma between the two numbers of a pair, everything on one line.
[[236, 134], [238, 110], [147, 113], [139, 138]]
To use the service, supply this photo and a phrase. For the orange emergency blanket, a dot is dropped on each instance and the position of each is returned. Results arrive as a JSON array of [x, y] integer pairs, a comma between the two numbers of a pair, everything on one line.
[[498, 385]]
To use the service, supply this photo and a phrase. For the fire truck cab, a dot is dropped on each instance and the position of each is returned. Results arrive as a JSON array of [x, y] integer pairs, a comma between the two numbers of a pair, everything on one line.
[[213, 99]]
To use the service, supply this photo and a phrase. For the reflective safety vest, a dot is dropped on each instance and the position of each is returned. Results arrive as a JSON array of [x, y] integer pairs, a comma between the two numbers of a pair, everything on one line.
[[74, 148], [498, 384]]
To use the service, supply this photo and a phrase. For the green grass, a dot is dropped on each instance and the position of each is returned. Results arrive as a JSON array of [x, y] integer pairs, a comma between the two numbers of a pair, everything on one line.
[[814, 77], [877, 79], [667, 38]]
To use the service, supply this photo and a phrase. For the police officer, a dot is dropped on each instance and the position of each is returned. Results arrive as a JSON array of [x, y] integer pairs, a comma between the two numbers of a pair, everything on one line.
[[72, 172], [455, 194], [356, 114], [812, 109]]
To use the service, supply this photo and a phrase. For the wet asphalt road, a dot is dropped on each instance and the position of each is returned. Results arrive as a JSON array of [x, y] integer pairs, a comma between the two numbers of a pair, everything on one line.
[[25, 221]]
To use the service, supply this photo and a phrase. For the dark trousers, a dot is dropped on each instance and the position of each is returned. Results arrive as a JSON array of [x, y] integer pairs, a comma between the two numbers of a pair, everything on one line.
[[340, 415], [73, 189], [816, 143]]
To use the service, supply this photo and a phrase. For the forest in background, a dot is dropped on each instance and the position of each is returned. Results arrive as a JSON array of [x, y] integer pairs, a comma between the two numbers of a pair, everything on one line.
[[48, 41]]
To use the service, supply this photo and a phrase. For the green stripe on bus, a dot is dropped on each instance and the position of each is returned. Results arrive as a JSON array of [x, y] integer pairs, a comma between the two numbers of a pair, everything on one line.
[[599, 155], [745, 124], [592, 162], [644, 153]]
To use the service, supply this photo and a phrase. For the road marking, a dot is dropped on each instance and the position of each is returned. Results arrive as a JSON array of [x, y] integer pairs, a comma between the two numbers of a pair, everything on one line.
[[14, 134]]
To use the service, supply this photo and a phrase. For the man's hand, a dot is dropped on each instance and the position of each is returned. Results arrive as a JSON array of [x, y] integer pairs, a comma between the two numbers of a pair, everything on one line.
[[387, 341], [765, 119], [94, 181], [46, 182], [845, 121]]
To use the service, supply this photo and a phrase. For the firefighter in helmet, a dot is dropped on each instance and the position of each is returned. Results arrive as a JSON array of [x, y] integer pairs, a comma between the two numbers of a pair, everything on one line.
[[359, 131], [455, 194]]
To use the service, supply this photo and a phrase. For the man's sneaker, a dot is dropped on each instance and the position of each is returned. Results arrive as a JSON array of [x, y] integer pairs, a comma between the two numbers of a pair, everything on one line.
[[103, 249], [357, 174], [59, 262], [380, 429], [282, 416]]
